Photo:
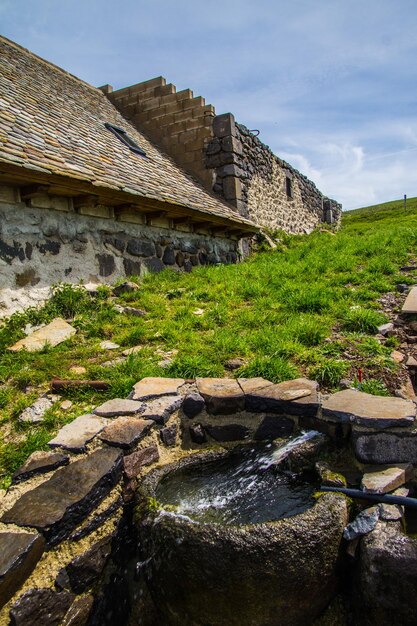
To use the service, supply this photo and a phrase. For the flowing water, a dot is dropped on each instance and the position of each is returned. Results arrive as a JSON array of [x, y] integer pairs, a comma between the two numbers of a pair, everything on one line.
[[243, 488]]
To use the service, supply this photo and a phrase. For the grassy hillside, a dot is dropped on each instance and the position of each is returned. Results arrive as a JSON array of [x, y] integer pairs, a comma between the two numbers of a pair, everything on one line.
[[308, 308]]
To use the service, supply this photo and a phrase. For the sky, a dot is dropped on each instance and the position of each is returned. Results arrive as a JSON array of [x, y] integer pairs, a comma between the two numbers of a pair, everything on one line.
[[330, 84]]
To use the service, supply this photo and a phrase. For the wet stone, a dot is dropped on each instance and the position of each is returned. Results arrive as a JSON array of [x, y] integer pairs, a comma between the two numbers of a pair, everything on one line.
[[83, 571], [169, 435], [273, 427], [228, 432], [56, 506], [383, 479], [75, 435], [193, 405], [40, 462], [363, 523], [364, 409], [197, 433], [134, 462], [222, 395], [79, 611], [52, 334], [385, 447], [19, 553], [41, 607], [118, 406], [292, 397], [160, 409], [148, 388], [125, 432]]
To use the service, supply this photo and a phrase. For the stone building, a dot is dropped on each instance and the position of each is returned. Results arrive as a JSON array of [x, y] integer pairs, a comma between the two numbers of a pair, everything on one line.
[[96, 184]]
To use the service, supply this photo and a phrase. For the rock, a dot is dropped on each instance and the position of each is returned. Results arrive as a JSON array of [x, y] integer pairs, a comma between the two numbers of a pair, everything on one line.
[[222, 395], [390, 512], [273, 427], [39, 463], [234, 364], [114, 362], [410, 304], [109, 345], [345, 383], [19, 553], [198, 312], [83, 571], [155, 387], [34, 413], [79, 611], [366, 410], [385, 448], [386, 329], [169, 435], [363, 523], [78, 369], [197, 433], [411, 362], [406, 391], [134, 462], [92, 288], [133, 350], [127, 287], [130, 310], [328, 477], [386, 578], [52, 335], [56, 506], [382, 479], [119, 406], [75, 435], [125, 432], [402, 287], [251, 385], [227, 432], [161, 409], [397, 356], [303, 456], [66, 405], [292, 397], [41, 607], [193, 405]]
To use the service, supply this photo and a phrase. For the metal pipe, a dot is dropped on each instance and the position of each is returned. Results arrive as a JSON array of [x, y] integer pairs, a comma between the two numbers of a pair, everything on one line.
[[373, 497]]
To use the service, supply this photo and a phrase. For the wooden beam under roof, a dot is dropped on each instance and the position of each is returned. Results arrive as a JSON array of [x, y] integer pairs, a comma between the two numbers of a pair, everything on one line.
[[30, 191]]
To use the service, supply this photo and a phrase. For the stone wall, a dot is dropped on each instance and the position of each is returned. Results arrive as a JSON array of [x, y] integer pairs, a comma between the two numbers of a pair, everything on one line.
[[262, 186], [46, 241]]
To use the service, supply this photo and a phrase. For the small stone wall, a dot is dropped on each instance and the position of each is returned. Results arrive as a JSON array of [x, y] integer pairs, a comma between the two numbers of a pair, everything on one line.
[[262, 186], [46, 241]]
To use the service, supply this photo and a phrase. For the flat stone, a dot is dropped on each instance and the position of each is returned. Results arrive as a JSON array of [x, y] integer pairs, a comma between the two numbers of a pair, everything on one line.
[[41, 607], [131, 310], [228, 432], [386, 329], [134, 462], [78, 369], [234, 364], [411, 362], [293, 397], [133, 350], [383, 479], [273, 427], [119, 406], [125, 432], [40, 462], [366, 410], [19, 553], [114, 362], [156, 387], [75, 435], [250, 385], [169, 435], [84, 570], [66, 405], [390, 512], [56, 506], [222, 395], [109, 345], [127, 287], [34, 414], [397, 356], [363, 523], [161, 409], [410, 304], [52, 334], [79, 611], [193, 405]]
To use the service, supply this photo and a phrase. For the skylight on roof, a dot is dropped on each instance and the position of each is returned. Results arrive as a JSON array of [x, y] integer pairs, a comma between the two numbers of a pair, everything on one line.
[[124, 138]]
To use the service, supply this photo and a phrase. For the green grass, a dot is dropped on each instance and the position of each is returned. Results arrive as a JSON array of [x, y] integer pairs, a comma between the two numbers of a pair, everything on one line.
[[308, 308]]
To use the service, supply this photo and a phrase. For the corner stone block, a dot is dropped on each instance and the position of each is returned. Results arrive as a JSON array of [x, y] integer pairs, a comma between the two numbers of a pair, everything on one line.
[[19, 553], [232, 188], [224, 125]]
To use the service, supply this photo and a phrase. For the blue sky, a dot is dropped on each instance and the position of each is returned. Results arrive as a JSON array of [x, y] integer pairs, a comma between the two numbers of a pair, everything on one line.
[[331, 84]]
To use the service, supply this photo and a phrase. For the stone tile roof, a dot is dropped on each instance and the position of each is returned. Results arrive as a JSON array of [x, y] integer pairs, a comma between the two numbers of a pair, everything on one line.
[[54, 122]]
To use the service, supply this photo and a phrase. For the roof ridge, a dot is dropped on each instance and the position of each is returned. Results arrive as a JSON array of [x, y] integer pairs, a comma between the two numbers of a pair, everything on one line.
[[13, 44]]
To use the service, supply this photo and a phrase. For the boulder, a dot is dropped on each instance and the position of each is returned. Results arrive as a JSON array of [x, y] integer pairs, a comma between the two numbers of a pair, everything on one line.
[[273, 427], [169, 435], [227, 432], [363, 523], [79, 611]]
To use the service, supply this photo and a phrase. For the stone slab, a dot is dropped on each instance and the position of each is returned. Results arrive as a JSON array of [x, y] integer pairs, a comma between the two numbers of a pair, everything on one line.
[[75, 435], [40, 462], [41, 607], [79, 611], [156, 387], [364, 409], [410, 304], [126, 431], [383, 448], [292, 397], [118, 406], [383, 479], [56, 506], [222, 395], [134, 462], [160, 409], [109, 345], [52, 334], [34, 413], [250, 385], [19, 553]]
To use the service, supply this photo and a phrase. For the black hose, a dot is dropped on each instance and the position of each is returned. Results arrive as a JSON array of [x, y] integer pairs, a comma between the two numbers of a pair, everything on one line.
[[373, 497]]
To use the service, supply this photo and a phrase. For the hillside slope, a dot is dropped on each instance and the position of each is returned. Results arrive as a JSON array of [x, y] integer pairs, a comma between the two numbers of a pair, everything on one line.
[[311, 307]]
